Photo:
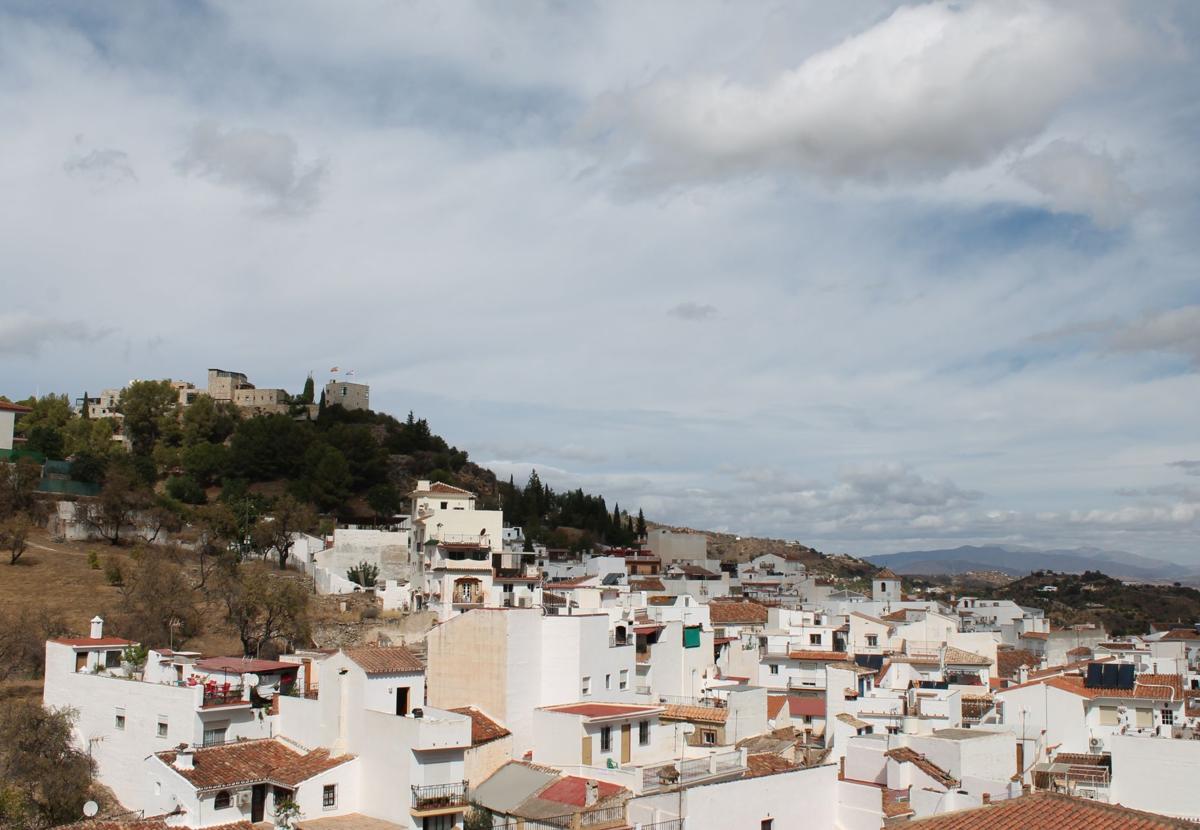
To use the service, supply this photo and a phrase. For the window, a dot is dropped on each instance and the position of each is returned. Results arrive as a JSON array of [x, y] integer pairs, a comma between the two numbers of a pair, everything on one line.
[[222, 800], [329, 796], [643, 733], [587, 686], [213, 737], [872, 640], [119, 720], [606, 739], [774, 668], [438, 822], [445, 504], [1168, 717], [624, 679], [162, 727], [814, 639], [112, 659], [608, 681], [709, 737]]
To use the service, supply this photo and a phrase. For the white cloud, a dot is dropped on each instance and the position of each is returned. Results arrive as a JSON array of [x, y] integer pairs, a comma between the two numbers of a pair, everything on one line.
[[1076, 179], [104, 167], [930, 89], [256, 161]]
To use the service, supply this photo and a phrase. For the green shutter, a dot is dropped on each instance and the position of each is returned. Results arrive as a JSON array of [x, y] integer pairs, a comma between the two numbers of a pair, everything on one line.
[[691, 638]]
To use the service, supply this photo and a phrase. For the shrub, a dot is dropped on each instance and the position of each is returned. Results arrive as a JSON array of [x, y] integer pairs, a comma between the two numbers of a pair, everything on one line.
[[186, 490], [364, 574], [113, 572], [369, 613], [93, 560]]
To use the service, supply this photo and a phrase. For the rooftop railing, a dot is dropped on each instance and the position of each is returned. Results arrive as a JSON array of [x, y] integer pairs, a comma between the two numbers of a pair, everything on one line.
[[439, 796]]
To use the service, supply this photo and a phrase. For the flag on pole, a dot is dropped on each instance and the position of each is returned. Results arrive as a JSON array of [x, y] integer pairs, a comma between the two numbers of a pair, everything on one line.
[[334, 369], [349, 372]]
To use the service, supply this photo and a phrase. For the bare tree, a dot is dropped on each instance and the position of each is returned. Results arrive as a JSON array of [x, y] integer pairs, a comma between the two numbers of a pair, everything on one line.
[[14, 536]]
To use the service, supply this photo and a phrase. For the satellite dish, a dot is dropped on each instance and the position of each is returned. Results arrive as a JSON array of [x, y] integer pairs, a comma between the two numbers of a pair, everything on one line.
[[252, 680], [90, 809]]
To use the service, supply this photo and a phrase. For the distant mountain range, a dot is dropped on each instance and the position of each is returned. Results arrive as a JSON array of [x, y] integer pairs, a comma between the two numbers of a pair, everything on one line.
[[1020, 561]]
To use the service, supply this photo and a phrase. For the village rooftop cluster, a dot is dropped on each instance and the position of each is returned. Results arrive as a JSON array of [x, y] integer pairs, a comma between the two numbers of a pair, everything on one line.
[[645, 687]]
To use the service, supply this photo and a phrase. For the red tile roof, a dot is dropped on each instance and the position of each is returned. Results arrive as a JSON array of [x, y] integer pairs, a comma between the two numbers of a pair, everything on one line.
[[153, 823], [1148, 687], [766, 763], [385, 659], [241, 665], [698, 714], [1036, 635], [252, 762], [78, 642], [571, 789], [1050, 811], [652, 584], [605, 710], [440, 487], [886, 573], [1010, 660], [811, 706], [5, 406], [726, 612], [775, 704], [483, 729], [1181, 634], [831, 656]]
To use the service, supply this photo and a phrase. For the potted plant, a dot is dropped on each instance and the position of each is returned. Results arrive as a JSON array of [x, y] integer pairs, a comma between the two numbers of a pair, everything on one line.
[[286, 812]]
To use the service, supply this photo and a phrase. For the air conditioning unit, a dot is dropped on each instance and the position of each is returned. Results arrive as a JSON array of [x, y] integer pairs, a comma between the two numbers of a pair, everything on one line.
[[1095, 743], [523, 602], [243, 800]]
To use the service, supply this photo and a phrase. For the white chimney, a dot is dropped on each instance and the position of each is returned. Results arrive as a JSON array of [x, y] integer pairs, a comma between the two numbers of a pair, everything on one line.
[[185, 758], [1023, 674], [422, 485], [591, 793], [97, 627]]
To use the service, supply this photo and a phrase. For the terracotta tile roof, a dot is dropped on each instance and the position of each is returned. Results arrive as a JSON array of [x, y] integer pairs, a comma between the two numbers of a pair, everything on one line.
[[737, 612], [87, 641], [806, 706], [652, 584], [152, 823], [896, 803], [241, 665], [1148, 687], [907, 755], [775, 704], [660, 600], [483, 729], [1181, 634], [850, 720], [571, 789], [571, 582], [954, 656], [605, 710], [385, 659], [1067, 668], [896, 616], [1035, 635], [696, 571], [440, 487], [830, 656], [1010, 660], [5, 406], [1080, 651], [1050, 811], [766, 763], [886, 573], [252, 762], [701, 714]]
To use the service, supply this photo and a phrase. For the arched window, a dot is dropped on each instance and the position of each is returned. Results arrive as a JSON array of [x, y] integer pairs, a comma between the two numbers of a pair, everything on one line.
[[222, 800]]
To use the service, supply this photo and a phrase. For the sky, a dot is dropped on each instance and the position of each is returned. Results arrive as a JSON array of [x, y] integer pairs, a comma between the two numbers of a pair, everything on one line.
[[871, 276]]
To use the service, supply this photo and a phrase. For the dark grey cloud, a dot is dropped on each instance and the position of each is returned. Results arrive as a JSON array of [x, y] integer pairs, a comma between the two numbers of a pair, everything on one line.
[[1190, 467], [256, 161], [1175, 331], [27, 334], [693, 311]]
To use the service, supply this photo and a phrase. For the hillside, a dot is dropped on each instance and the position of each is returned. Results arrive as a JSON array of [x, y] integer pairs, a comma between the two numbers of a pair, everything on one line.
[[1094, 597], [1020, 561]]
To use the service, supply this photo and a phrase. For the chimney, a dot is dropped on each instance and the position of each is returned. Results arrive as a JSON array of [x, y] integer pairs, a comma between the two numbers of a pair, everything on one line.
[[307, 664], [97, 627], [987, 798], [591, 793], [1026, 789], [185, 757], [1023, 674]]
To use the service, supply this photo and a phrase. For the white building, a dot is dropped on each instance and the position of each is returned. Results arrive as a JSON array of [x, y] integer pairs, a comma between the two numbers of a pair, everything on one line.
[[9, 412]]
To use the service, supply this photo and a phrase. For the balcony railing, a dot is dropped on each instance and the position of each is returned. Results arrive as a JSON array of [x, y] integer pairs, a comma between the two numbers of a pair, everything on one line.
[[708, 702], [439, 797]]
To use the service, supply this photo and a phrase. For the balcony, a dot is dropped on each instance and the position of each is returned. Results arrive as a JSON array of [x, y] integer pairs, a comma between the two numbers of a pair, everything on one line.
[[693, 771], [439, 799]]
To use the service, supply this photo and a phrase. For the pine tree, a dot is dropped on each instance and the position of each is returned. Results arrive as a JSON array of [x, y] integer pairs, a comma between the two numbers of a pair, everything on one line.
[[616, 516], [641, 524], [321, 405]]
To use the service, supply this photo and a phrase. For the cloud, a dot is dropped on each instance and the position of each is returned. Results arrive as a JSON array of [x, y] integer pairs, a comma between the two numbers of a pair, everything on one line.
[[1076, 179], [104, 167], [693, 311], [1176, 331], [931, 89], [257, 162], [1189, 466], [26, 334]]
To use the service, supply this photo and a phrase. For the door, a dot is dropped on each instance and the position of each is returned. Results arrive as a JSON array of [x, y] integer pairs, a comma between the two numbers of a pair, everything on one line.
[[587, 751], [80, 660], [402, 700], [625, 742], [1021, 758], [258, 797]]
